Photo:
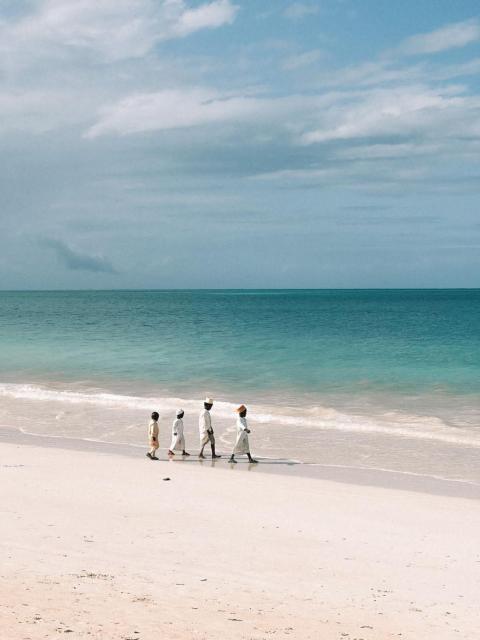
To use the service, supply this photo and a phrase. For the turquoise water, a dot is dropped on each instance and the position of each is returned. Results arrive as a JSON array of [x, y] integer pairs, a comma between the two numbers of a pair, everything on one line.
[[290, 341], [371, 379]]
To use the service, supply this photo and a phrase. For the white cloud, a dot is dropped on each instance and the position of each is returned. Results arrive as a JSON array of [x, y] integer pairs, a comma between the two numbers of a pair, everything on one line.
[[461, 69], [206, 16], [452, 36], [300, 60], [381, 112], [390, 66], [421, 120], [61, 60], [169, 109], [372, 73], [181, 108], [299, 10], [399, 111], [112, 29]]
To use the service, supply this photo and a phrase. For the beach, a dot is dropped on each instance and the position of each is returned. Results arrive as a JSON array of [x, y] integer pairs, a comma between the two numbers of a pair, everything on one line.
[[361, 520], [98, 544]]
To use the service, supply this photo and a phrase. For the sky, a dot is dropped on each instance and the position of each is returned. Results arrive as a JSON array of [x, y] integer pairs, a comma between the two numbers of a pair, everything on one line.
[[239, 144]]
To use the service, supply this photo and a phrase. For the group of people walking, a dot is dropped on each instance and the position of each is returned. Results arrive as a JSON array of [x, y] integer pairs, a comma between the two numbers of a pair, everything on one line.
[[242, 446]]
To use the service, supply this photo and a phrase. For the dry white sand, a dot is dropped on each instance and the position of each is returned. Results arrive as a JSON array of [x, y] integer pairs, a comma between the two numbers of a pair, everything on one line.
[[99, 546]]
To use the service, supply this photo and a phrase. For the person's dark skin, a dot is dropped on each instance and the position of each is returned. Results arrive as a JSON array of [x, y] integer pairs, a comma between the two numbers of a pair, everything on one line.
[[208, 406], [243, 414]]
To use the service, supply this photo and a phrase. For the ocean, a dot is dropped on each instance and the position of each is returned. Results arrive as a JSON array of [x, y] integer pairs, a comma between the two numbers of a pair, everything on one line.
[[385, 379]]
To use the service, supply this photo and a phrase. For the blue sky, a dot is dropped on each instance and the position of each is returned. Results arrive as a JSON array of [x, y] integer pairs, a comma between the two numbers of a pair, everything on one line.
[[255, 143]]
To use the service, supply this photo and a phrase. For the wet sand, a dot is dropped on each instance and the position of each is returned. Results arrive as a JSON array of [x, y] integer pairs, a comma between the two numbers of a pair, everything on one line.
[[345, 474]]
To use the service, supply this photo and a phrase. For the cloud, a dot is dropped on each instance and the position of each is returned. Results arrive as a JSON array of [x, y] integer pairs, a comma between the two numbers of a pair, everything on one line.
[[400, 111], [170, 109], [113, 29], [390, 66], [302, 60], [61, 61], [77, 261], [452, 36], [299, 10], [182, 108], [206, 16], [119, 84]]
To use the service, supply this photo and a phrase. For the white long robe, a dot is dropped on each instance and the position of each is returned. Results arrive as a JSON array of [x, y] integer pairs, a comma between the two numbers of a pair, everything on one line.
[[178, 439], [204, 427], [242, 445]]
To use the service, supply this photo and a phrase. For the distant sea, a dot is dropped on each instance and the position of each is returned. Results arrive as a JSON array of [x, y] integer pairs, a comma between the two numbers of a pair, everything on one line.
[[370, 378]]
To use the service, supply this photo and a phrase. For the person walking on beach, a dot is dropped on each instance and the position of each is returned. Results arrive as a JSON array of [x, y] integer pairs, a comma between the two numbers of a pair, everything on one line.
[[153, 436], [205, 428], [178, 439], [242, 446]]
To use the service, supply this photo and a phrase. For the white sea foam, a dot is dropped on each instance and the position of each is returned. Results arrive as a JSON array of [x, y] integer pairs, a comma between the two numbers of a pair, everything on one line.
[[316, 418]]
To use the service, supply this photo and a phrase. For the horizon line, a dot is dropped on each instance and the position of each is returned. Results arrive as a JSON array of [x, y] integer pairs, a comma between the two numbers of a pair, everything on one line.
[[242, 289]]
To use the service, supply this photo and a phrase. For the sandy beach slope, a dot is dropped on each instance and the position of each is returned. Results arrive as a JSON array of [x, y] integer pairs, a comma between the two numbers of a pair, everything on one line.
[[99, 546]]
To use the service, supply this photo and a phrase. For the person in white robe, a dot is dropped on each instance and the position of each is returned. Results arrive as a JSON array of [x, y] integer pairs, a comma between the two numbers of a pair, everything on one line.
[[242, 445], [153, 432], [178, 438], [206, 430]]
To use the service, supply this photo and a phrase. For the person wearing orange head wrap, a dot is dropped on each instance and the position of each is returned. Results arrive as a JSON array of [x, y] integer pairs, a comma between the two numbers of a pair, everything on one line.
[[242, 446]]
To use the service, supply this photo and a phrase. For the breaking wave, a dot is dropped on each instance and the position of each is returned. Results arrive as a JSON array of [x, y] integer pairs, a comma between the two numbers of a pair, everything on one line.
[[394, 424]]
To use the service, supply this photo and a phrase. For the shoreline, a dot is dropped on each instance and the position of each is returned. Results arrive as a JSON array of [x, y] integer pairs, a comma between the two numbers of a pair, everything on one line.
[[364, 477]]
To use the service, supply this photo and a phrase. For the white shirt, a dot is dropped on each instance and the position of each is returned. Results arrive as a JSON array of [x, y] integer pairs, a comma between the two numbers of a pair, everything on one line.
[[204, 422], [177, 428]]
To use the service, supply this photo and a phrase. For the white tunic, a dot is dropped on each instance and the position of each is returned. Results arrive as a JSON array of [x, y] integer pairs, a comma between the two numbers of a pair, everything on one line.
[[204, 426], [178, 439], [241, 445]]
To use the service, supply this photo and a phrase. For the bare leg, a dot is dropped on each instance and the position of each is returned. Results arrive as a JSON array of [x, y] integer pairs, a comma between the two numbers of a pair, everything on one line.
[[232, 459], [214, 455]]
